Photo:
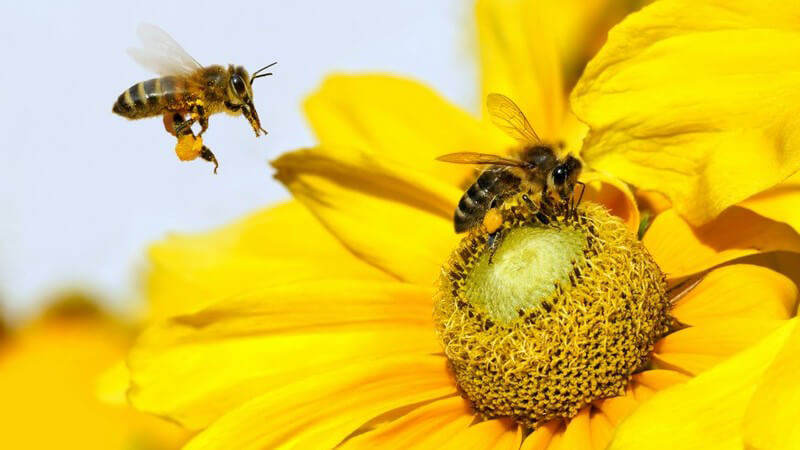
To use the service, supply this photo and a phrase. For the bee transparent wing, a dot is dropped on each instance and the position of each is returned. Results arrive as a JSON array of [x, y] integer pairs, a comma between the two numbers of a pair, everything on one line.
[[509, 118], [479, 158], [162, 54]]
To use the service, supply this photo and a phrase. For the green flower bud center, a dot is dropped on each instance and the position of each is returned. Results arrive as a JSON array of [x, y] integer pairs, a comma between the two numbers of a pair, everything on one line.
[[524, 271]]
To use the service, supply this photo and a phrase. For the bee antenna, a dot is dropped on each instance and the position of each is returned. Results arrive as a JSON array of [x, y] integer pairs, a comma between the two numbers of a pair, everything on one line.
[[257, 73]]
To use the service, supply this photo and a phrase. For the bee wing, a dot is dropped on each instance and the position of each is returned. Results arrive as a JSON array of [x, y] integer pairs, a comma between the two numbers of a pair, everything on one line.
[[162, 54], [479, 158], [509, 118]]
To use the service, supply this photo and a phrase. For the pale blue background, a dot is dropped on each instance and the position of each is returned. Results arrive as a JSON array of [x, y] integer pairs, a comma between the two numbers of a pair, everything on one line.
[[83, 191]]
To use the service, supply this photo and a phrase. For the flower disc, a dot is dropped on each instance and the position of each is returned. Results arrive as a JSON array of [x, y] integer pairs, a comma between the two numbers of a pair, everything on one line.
[[563, 313]]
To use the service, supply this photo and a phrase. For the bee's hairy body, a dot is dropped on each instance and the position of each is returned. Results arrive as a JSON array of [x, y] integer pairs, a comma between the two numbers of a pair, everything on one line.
[[535, 169], [175, 94], [187, 92], [498, 182]]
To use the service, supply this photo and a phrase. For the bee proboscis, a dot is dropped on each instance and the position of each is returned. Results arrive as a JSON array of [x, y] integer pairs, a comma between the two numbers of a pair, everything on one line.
[[187, 92], [535, 169]]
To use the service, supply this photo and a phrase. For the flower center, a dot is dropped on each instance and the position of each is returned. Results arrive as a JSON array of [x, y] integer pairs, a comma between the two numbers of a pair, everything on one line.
[[523, 270], [562, 313]]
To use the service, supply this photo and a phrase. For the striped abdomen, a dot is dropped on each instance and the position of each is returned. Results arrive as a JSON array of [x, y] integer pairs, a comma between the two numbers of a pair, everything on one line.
[[490, 186], [152, 98]]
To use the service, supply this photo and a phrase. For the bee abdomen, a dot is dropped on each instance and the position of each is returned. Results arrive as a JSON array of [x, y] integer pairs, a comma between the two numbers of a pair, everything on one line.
[[492, 184], [150, 98], [475, 202]]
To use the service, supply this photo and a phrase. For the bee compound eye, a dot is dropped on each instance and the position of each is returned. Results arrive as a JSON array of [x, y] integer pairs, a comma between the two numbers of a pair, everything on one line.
[[560, 175], [238, 85]]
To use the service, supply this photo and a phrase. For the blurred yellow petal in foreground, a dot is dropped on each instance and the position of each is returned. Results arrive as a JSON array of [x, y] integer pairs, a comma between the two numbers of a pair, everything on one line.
[[48, 382]]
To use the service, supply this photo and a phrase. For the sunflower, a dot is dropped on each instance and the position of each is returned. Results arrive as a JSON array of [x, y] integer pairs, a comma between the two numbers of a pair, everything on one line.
[[309, 325]]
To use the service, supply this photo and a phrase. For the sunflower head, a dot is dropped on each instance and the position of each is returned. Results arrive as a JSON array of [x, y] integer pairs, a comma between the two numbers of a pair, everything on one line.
[[566, 310]]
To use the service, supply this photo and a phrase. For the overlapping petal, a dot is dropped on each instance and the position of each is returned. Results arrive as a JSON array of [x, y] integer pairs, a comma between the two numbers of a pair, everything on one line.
[[429, 426], [195, 367], [778, 203], [698, 348], [322, 410], [281, 245], [681, 249], [695, 99], [614, 195], [712, 405], [520, 60], [740, 291], [404, 122], [770, 421], [399, 221]]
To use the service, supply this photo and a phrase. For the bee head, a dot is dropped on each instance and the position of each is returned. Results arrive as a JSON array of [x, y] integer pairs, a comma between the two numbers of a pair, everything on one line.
[[239, 89], [563, 177], [240, 94]]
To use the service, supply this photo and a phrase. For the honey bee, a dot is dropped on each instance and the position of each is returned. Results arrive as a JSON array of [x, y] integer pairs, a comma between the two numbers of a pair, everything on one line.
[[536, 169], [186, 88]]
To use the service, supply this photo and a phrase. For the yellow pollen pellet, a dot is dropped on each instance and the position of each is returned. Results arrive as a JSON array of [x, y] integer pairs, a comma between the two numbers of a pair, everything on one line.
[[188, 147]]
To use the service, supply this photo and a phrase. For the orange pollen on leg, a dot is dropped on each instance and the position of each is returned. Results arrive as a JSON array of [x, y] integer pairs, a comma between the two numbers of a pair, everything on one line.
[[188, 147], [492, 220]]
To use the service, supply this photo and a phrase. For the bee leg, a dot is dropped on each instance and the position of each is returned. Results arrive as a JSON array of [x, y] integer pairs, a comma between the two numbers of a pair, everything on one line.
[[547, 211], [494, 243], [184, 127], [170, 120], [198, 113], [206, 154], [529, 201], [203, 124]]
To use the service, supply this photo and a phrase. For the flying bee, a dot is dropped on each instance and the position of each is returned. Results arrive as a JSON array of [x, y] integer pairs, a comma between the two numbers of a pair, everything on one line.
[[535, 169], [186, 88]]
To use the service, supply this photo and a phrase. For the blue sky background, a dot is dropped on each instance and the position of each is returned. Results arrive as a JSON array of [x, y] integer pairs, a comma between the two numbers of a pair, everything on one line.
[[83, 191]]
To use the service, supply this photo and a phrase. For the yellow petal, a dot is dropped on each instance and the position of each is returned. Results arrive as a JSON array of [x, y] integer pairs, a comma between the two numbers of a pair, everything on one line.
[[601, 430], [280, 245], [696, 349], [321, 411], [786, 263], [429, 426], [519, 59], [580, 28], [771, 418], [680, 249], [614, 195], [112, 385], [401, 120], [48, 374], [659, 379], [741, 290], [653, 202], [578, 433], [616, 409], [778, 203], [500, 434], [642, 393], [705, 412], [195, 367], [541, 437], [400, 221], [696, 99]]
